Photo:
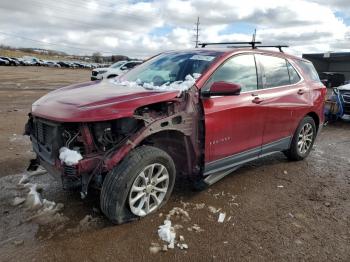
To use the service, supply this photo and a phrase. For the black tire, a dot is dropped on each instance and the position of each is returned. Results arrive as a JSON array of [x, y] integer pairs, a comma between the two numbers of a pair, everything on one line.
[[294, 154], [117, 184]]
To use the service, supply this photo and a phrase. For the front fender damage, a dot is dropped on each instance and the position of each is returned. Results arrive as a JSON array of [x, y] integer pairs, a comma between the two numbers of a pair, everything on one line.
[[182, 115]]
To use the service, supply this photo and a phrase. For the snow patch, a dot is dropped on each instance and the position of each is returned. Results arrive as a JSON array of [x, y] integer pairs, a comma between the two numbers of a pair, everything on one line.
[[177, 85], [33, 200], [69, 157], [167, 233]]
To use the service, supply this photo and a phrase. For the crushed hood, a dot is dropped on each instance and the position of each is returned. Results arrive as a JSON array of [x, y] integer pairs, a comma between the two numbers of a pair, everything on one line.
[[96, 101]]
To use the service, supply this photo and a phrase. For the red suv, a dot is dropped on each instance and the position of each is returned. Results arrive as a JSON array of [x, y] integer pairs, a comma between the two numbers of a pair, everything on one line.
[[198, 113]]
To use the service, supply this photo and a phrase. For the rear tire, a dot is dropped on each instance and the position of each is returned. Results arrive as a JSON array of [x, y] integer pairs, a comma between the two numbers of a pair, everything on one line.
[[303, 140], [130, 190]]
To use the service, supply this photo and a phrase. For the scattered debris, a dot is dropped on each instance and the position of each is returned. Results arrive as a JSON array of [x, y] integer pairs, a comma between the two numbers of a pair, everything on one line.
[[199, 206], [182, 245], [291, 215], [18, 201], [69, 157], [195, 228], [285, 172], [280, 186], [221, 217], [178, 212], [18, 242], [213, 209], [155, 249], [327, 204], [181, 238], [228, 220]]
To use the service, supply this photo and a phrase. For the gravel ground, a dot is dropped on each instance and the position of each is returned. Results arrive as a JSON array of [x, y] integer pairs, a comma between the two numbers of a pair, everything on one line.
[[275, 210]]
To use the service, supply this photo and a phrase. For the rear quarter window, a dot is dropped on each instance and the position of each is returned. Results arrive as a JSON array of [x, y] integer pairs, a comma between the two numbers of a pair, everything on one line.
[[275, 71], [309, 69], [293, 74]]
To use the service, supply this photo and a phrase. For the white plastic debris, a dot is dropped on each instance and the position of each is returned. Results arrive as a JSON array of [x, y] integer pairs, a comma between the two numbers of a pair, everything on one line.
[[280, 186], [167, 233], [69, 157], [221, 217], [181, 238]]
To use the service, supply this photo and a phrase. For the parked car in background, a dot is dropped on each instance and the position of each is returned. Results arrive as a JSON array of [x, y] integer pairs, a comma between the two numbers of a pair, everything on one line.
[[114, 70], [198, 113], [19, 60], [4, 62], [11, 61]]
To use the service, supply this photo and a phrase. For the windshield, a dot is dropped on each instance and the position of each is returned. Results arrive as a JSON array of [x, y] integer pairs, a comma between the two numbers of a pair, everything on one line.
[[118, 64], [166, 69]]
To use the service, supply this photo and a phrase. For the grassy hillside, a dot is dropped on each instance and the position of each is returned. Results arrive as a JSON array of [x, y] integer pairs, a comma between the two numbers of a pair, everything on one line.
[[18, 53]]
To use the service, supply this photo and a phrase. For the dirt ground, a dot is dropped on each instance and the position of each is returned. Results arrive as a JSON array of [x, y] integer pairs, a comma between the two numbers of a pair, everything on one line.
[[275, 210]]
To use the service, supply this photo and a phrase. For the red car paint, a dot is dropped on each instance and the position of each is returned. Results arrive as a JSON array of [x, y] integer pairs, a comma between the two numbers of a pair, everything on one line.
[[229, 124]]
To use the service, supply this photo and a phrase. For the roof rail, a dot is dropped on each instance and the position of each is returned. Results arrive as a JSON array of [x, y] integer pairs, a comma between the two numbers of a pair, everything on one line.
[[276, 46], [252, 44]]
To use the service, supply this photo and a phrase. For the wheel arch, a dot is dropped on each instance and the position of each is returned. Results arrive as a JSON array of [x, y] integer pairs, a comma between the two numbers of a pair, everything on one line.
[[177, 145], [316, 118]]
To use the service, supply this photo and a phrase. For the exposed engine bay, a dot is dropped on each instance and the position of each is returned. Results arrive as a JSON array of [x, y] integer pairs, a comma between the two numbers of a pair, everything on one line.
[[172, 125]]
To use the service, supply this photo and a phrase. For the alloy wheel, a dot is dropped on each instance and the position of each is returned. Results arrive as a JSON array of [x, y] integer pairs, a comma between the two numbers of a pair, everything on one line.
[[148, 189], [305, 138]]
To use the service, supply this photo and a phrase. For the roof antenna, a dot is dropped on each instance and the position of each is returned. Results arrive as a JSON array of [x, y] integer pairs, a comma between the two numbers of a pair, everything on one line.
[[253, 39]]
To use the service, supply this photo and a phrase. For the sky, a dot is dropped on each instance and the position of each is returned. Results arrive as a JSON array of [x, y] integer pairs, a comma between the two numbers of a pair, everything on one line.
[[143, 28]]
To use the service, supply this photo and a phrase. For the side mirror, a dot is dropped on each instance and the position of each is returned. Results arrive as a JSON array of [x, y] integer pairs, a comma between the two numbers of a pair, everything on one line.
[[222, 88], [123, 68]]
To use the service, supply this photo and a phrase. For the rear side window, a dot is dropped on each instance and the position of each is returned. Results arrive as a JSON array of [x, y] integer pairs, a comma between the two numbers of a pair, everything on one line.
[[240, 70], [275, 71], [293, 74], [309, 69]]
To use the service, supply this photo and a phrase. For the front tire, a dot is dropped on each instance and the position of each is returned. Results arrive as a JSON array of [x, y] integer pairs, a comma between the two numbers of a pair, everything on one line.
[[303, 140], [141, 184]]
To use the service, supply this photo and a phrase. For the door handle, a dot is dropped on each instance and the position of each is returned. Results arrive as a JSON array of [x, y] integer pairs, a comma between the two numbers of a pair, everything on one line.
[[301, 91], [257, 100]]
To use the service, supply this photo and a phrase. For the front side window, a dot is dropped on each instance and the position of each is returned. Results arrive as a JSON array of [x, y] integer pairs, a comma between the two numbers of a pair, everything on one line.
[[240, 70], [275, 71]]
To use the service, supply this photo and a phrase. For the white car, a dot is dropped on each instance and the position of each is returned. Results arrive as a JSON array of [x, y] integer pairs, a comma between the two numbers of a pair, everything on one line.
[[114, 70]]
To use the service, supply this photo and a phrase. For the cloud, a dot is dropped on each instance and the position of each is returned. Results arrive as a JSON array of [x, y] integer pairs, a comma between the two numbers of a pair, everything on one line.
[[125, 27]]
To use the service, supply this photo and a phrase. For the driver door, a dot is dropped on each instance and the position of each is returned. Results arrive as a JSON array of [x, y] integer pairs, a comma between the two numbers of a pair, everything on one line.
[[234, 124]]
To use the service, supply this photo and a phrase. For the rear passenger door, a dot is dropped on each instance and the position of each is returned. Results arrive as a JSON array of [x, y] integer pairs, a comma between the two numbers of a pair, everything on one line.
[[282, 92]]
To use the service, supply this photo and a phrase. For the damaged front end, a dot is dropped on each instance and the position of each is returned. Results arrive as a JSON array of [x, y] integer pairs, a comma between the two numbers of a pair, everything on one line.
[[174, 126]]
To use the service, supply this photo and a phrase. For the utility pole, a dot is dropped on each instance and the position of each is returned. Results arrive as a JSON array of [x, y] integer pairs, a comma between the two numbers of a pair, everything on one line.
[[197, 32]]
